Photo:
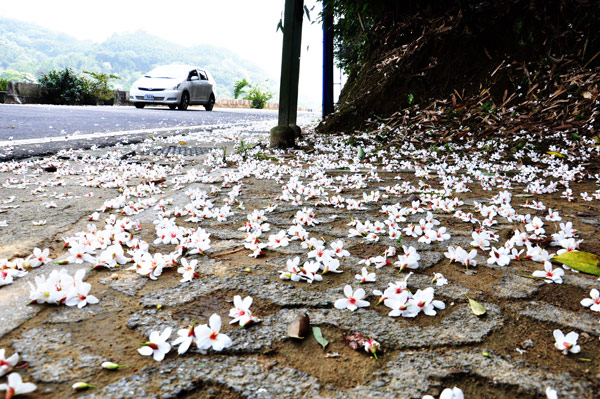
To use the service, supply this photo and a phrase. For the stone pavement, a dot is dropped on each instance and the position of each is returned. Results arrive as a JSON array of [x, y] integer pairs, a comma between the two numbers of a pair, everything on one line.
[[507, 353]]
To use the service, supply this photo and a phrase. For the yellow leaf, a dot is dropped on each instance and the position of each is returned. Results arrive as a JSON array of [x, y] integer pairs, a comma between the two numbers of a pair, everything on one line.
[[476, 307], [584, 262], [556, 154]]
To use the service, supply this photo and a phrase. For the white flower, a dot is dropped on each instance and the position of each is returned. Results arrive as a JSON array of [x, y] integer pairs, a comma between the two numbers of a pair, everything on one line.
[[439, 279], [39, 257], [16, 386], [549, 275], [594, 302], [7, 364], [157, 346], [209, 336], [353, 300], [566, 343], [338, 249], [500, 256], [185, 339], [80, 295], [241, 311], [187, 270], [365, 277], [454, 393]]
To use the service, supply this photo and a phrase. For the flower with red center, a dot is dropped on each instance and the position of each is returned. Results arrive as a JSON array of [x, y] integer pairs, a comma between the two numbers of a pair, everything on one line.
[[16, 386], [566, 343], [353, 300], [157, 346], [209, 336]]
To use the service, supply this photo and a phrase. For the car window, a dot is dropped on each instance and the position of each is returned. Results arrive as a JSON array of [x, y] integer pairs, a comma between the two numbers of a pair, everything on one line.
[[203, 75], [193, 73], [168, 72]]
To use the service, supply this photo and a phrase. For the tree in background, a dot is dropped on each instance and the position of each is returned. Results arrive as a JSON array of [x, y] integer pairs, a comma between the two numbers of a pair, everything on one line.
[[239, 86], [100, 86], [258, 95]]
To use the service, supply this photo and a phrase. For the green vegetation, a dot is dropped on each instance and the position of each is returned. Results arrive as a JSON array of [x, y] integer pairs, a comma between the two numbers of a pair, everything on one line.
[[3, 84], [65, 87], [258, 95], [239, 86], [27, 50], [100, 85]]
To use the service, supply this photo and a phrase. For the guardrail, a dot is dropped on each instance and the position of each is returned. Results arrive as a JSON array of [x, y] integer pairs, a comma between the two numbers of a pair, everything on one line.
[[33, 93]]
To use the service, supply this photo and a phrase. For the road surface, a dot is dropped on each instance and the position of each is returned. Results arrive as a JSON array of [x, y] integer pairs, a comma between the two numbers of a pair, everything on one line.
[[34, 130], [37, 121]]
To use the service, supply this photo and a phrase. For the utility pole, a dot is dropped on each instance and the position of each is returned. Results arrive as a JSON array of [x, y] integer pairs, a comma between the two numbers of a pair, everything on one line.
[[283, 135], [327, 106]]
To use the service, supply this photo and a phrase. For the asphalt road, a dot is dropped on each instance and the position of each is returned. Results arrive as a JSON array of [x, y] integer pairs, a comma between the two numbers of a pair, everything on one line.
[[43, 121]]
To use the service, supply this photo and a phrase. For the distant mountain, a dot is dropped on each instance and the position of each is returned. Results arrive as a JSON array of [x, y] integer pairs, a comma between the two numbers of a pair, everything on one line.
[[30, 49]]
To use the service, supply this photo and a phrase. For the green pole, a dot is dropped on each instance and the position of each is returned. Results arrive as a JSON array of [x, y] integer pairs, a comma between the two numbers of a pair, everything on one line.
[[290, 74]]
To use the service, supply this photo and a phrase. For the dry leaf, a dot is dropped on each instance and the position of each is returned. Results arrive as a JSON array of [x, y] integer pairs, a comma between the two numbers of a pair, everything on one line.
[[476, 307], [300, 327], [355, 340]]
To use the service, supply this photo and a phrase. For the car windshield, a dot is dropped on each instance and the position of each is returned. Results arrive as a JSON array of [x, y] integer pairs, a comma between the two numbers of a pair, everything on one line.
[[169, 72]]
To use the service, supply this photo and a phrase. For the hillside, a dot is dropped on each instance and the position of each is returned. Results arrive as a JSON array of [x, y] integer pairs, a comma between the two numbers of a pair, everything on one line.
[[461, 68], [30, 49]]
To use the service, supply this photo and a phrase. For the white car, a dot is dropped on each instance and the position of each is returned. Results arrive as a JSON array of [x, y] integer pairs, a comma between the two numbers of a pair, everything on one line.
[[175, 86]]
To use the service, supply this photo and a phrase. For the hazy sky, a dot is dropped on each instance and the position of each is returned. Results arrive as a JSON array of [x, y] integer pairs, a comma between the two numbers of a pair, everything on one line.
[[246, 27]]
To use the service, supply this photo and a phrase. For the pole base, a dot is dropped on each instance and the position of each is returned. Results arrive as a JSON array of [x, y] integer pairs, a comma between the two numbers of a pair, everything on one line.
[[282, 137]]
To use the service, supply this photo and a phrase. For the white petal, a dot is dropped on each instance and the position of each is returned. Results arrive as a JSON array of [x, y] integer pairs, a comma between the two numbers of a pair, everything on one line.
[[215, 322], [362, 304], [165, 334], [359, 294], [558, 336], [26, 388], [237, 301], [145, 351], [341, 303], [348, 291], [587, 302], [185, 345], [247, 302], [572, 337]]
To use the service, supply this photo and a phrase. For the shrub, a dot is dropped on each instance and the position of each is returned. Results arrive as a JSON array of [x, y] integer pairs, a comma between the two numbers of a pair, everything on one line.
[[100, 86], [3, 84], [258, 96], [65, 87]]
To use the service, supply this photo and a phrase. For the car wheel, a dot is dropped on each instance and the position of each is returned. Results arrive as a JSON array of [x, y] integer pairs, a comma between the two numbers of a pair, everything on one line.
[[211, 103], [185, 101], [140, 105], [172, 106]]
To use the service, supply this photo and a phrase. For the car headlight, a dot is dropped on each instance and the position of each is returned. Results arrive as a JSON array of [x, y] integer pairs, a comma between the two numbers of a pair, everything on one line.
[[176, 87]]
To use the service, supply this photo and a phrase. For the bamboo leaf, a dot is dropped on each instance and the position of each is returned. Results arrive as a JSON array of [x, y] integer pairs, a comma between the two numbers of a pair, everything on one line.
[[476, 307], [319, 337], [307, 12], [584, 262]]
